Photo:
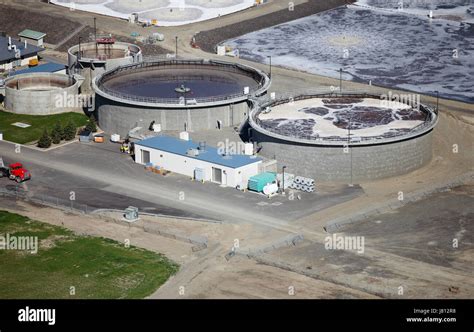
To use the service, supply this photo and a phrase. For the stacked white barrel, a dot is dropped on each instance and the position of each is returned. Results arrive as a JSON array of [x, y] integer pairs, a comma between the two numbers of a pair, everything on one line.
[[302, 183]]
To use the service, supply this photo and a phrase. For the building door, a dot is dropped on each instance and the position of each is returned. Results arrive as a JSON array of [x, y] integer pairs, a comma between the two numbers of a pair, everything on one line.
[[145, 157], [216, 175], [224, 178], [239, 179]]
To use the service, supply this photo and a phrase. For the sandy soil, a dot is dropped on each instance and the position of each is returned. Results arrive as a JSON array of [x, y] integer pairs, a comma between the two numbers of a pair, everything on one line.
[[204, 274], [241, 278]]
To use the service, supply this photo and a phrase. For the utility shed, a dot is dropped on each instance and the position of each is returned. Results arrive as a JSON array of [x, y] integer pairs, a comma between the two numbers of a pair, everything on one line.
[[32, 37], [196, 160]]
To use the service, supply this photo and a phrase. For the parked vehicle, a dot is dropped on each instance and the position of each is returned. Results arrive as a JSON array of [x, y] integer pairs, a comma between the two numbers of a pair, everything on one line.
[[14, 171]]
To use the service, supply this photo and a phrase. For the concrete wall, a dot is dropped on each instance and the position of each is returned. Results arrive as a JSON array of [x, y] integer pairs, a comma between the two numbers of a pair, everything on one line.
[[118, 118], [89, 72], [186, 165], [41, 101], [326, 163], [90, 68]]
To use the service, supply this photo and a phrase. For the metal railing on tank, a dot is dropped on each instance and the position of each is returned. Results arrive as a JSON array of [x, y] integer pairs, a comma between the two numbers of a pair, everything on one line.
[[173, 101], [262, 103], [182, 64]]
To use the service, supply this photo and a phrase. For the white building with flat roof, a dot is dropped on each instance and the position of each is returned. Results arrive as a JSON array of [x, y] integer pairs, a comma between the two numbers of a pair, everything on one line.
[[197, 160]]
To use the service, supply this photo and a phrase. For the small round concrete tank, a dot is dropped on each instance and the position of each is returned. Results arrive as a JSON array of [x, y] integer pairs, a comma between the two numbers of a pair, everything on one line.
[[41, 93], [92, 59]]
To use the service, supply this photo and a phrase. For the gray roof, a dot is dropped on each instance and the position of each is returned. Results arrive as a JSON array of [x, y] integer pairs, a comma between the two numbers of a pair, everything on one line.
[[31, 34], [8, 56]]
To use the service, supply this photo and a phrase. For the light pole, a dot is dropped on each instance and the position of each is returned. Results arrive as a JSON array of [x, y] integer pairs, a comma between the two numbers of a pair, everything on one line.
[[437, 101], [95, 37], [176, 52], [185, 93], [283, 180], [270, 58], [340, 80], [79, 52], [349, 145]]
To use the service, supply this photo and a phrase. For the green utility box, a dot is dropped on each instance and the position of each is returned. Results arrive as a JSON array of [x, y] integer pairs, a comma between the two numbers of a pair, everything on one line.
[[257, 182]]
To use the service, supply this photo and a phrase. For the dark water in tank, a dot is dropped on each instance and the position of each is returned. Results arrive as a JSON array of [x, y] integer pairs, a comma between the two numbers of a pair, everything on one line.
[[200, 86]]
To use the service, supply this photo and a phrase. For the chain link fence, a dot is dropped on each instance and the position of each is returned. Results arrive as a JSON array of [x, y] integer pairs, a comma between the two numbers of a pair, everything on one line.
[[18, 193], [198, 242]]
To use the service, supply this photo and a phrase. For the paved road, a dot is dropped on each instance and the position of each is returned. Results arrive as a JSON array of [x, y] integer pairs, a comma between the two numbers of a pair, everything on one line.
[[87, 198], [102, 177]]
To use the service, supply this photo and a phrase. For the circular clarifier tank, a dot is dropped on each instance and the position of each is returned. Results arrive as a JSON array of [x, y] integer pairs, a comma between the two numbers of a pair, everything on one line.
[[199, 83], [40, 93], [344, 137], [91, 59], [332, 120], [39, 82], [161, 82], [97, 53], [178, 94]]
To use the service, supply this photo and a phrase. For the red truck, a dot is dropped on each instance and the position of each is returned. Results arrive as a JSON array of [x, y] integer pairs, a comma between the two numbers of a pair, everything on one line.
[[14, 171]]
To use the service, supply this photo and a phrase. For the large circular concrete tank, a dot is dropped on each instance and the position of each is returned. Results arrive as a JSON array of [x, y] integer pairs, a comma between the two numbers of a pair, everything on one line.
[[41, 93], [177, 94], [343, 138]]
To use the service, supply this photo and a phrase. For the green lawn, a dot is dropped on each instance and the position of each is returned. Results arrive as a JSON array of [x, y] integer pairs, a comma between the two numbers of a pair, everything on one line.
[[98, 268], [38, 124]]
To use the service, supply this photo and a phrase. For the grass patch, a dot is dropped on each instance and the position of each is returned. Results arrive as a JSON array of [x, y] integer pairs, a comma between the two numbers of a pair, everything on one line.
[[98, 268], [38, 124]]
